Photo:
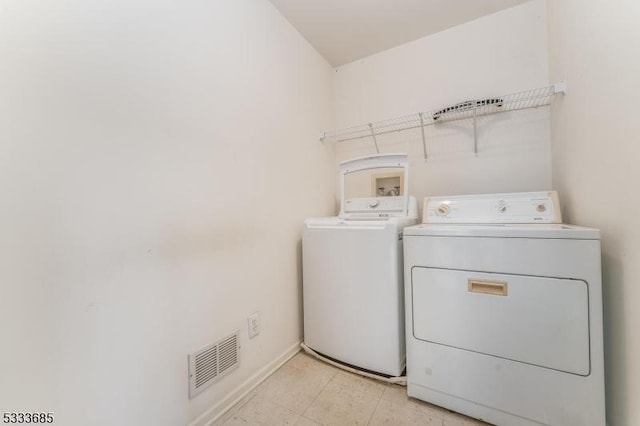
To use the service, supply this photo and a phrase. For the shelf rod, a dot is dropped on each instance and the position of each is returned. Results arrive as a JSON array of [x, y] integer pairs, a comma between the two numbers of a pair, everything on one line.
[[440, 121], [373, 135], [424, 141], [378, 133], [524, 100]]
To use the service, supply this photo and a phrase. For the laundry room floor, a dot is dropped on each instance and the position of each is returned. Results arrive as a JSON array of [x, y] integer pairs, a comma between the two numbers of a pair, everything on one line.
[[308, 392]]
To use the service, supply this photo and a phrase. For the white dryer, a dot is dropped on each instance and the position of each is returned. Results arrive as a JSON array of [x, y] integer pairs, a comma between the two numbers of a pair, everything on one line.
[[504, 311], [353, 292]]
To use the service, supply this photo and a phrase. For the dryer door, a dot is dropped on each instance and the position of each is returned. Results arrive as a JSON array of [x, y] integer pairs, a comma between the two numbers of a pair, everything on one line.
[[542, 321]]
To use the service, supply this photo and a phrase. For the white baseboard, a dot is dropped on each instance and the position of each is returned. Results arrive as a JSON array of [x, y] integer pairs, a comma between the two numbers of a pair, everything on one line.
[[216, 411]]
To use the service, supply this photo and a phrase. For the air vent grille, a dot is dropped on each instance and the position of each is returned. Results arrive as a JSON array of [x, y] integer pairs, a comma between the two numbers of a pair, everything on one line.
[[211, 363], [228, 354], [206, 366]]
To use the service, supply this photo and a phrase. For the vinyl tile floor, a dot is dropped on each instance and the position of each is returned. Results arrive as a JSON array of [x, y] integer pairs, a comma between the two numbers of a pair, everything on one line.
[[308, 392]]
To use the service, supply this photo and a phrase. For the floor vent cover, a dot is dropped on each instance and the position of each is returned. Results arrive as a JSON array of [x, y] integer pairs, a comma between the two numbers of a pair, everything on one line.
[[211, 363]]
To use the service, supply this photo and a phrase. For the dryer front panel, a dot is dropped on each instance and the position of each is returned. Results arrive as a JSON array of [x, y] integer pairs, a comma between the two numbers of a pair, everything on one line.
[[542, 321]]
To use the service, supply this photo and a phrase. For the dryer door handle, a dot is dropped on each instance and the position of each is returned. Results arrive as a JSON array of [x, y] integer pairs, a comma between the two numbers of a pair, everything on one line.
[[495, 288]]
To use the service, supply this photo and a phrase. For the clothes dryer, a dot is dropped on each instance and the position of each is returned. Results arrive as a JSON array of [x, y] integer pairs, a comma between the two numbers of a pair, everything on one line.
[[504, 311]]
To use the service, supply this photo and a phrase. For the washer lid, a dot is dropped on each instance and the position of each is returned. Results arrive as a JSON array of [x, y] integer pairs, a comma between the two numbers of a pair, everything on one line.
[[520, 230], [359, 196]]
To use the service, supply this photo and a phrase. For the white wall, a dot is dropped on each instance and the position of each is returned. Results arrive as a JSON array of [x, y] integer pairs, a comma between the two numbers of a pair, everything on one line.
[[157, 159], [594, 45], [495, 55]]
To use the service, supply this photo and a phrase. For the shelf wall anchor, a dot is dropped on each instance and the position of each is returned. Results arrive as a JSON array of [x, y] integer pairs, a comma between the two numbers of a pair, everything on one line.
[[560, 87]]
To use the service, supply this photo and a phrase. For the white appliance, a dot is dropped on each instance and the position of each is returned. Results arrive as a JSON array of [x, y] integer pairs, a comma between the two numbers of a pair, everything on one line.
[[353, 292], [504, 311]]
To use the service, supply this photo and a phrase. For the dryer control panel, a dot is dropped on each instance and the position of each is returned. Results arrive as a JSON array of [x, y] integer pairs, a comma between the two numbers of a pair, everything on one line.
[[518, 207]]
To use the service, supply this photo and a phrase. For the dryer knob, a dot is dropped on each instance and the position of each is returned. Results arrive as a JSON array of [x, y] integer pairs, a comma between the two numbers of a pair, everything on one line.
[[373, 203], [502, 209], [541, 208], [443, 209]]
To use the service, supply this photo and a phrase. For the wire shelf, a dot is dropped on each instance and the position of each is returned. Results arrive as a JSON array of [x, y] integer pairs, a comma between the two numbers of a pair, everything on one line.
[[464, 110]]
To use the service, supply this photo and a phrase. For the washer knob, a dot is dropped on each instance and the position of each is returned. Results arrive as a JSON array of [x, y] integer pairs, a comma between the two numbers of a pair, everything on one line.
[[541, 208], [502, 208], [373, 203], [443, 209]]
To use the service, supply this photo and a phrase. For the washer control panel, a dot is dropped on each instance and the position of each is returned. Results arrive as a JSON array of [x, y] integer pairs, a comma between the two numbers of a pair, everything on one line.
[[519, 207], [374, 205]]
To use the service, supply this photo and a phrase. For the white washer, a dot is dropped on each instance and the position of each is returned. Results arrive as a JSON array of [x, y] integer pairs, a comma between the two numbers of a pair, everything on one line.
[[504, 311], [353, 292]]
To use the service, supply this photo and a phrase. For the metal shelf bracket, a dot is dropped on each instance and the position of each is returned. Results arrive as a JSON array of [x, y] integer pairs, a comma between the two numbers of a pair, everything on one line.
[[373, 135], [424, 141]]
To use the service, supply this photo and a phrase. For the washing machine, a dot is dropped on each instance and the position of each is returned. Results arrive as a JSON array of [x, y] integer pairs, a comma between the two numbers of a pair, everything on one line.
[[504, 311], [353, 295]]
